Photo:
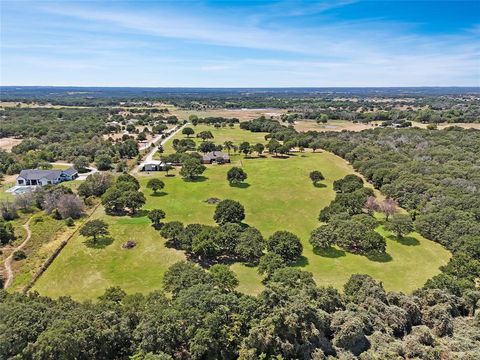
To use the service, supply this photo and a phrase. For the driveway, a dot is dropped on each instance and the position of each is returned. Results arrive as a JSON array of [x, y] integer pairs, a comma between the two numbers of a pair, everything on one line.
[[151, 153]]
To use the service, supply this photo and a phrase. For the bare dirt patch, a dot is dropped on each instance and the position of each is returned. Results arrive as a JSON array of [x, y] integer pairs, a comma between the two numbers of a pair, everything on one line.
[[8, 143], [334, 125], [445, 125]]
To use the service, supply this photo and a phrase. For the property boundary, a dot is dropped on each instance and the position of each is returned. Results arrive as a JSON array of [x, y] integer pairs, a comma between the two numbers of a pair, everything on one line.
[[57, 251]]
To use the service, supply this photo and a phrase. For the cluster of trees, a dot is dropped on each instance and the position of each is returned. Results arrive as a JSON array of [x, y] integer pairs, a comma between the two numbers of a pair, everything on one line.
[[247, 149], [431, 110], [452, 105], [226, 242], [230, 240], [60, 202], [355, 234], [61, 134], [123, 196], [215, 121], [261, 124], [7, 233], [350, 198], [199, 315], [95, 184], [56, 200]]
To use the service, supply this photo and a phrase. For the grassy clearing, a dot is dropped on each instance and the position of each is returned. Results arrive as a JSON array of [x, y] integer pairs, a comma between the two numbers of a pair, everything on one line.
[[220, 136], [46, 236], [56, 166], [278, 195], [84, 271], [241, 114]]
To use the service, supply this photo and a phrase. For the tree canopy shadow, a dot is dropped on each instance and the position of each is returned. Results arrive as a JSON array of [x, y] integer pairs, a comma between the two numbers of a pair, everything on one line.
[[241, 185], [29, 210], [319, 185], [139, 213], [197, 179], [101, 243], [159, 194], [331, 252], [382, 258], [302, 261], [405, 240]]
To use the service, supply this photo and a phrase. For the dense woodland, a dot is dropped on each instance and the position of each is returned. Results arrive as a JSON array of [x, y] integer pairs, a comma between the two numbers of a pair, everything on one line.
[[206, 319]]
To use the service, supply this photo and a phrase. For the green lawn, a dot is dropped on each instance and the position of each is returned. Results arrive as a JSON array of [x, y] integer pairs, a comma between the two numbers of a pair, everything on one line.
[[220, 136], [279, 195]]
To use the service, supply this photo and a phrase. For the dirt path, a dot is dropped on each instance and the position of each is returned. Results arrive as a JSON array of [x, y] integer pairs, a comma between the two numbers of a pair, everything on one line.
[[8, 260]]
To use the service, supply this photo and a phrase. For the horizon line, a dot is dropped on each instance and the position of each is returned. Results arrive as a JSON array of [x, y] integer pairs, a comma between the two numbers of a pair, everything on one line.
[[242, 87]]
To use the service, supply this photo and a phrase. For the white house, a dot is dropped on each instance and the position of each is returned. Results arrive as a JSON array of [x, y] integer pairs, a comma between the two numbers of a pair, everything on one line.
[[39, 177]]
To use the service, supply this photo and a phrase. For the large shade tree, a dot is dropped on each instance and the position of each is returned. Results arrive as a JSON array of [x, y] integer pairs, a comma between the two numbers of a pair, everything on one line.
[[94, 228], [236, 175], [229, 211]]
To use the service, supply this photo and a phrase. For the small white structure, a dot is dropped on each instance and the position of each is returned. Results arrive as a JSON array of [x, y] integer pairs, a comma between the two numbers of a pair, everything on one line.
[[37, 177], [153, 165]]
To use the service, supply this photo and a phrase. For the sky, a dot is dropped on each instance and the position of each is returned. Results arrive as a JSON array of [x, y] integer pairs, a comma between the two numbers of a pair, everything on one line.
[[240, 43]]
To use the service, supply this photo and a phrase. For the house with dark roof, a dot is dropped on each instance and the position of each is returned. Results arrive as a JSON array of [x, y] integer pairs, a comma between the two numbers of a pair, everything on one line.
[[215, 156], [34, 177]]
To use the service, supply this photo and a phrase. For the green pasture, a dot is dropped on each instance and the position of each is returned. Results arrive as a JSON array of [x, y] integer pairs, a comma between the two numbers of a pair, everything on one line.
[[277, 195]]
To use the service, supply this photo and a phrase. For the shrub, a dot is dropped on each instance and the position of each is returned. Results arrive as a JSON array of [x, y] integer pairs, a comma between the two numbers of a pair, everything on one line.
[[19, 255]]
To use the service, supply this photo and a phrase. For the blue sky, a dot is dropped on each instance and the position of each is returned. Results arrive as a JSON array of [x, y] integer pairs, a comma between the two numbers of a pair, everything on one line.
[[240, 43]]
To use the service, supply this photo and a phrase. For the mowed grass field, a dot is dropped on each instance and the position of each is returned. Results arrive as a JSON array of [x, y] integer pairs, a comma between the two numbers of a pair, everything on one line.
[[235, 134], [278, 195]]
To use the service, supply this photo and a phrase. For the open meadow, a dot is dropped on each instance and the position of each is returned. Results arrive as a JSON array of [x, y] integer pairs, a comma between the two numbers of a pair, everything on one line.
[[278, 195]]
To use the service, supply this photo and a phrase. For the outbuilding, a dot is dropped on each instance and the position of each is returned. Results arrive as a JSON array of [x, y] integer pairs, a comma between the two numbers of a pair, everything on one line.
[[153, 165]]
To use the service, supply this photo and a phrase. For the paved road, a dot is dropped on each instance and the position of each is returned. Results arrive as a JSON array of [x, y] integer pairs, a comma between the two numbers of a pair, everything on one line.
[[149, 156], [8, 260]]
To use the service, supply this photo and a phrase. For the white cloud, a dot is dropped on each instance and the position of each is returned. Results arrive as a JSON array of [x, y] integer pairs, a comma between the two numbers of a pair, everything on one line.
[[370, 52]]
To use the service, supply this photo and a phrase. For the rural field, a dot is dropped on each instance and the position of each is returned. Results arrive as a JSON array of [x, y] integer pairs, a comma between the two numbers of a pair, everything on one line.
[[278, 195], [241, 114]]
